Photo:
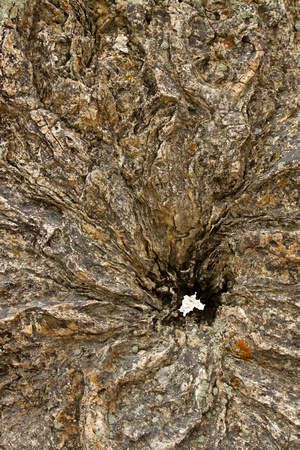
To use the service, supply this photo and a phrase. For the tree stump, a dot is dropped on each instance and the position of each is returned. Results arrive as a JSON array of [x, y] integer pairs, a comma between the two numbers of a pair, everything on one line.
[[149, 150]]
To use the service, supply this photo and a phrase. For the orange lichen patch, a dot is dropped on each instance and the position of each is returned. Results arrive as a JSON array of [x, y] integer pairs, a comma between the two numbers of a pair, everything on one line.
[[235, 382], [192, 147], [22, 387], [260, 362], [242, 351], [129, 76], [96, 378], [267, 198], [126, 64], [282, 182], [290, 253], [228, 41], [231, 334]]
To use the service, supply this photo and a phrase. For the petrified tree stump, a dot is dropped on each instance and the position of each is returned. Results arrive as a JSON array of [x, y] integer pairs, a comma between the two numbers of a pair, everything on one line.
[[149, 150]]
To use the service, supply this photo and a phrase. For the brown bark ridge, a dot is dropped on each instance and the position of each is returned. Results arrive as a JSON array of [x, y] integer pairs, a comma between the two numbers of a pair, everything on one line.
[[149, 150]]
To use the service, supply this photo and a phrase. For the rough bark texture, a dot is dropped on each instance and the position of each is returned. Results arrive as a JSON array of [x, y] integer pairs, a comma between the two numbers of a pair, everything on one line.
[[149, 150]]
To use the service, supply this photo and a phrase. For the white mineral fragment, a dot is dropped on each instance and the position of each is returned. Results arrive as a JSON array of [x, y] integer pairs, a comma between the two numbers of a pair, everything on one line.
[[121, 43], [190, 302]]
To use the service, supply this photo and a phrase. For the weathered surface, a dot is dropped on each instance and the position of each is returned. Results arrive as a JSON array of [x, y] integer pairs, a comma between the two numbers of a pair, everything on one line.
[[149, 149]]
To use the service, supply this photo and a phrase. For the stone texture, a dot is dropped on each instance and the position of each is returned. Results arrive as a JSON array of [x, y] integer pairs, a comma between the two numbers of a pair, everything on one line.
[[149, 150]]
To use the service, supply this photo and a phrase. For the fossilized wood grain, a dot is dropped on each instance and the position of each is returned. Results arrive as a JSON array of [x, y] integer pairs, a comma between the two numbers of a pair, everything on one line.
[[148, 149]]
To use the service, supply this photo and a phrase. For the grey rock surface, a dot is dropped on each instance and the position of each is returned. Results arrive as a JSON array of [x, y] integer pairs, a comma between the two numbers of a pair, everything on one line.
[[149, 150]]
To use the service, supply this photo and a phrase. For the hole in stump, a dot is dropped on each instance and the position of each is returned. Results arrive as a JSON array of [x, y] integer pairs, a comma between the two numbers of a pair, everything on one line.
[[210, 297]]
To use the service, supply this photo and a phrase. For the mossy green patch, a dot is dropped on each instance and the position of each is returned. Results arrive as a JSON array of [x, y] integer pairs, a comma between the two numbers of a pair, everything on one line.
[[111, 419], [139, 408], [297, 26], [223, 67], [164, 374], [77, 351], [9, 8]]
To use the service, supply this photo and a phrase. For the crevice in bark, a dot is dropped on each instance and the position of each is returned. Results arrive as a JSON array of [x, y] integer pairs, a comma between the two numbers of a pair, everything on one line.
[[171, 294]]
